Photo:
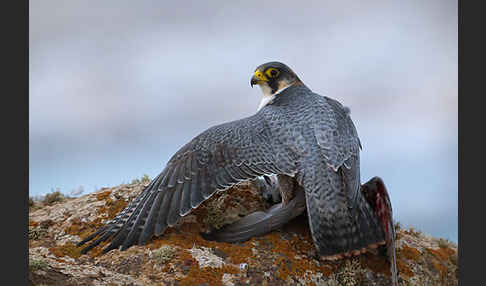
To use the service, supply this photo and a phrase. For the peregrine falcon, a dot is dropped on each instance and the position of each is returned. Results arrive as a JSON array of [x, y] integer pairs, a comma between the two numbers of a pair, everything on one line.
[[308, 141]]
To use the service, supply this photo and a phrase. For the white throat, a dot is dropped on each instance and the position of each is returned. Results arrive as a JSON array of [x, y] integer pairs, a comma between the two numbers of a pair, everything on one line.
[[268, 97]]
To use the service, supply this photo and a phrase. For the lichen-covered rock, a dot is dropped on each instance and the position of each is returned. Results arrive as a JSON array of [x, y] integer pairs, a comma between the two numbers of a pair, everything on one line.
[[182, 257]]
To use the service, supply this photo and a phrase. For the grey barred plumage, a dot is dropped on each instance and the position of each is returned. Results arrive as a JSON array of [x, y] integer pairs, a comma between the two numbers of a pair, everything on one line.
[[308, 140]]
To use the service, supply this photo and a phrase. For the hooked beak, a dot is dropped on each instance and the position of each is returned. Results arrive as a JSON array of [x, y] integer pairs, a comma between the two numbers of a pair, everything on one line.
[[258, 78], [253, 81]]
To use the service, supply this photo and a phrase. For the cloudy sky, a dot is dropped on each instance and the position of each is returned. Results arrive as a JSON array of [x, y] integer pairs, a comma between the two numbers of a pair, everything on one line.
[[117, 87]]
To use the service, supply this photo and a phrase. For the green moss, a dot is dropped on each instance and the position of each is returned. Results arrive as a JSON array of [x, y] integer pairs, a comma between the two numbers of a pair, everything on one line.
[[53, 197], [454, 259], [397, 226], [412, 231], [164, 254], [445, 243], [37, 264], [36, 233], [215, 216], [145, 179], [351, 273]]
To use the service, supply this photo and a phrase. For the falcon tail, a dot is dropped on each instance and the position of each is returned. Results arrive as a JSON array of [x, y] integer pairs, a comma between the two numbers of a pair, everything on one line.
[[340, 229]]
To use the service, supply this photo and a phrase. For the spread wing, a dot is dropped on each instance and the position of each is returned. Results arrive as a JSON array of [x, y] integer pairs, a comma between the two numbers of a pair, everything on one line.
[[215, 160]]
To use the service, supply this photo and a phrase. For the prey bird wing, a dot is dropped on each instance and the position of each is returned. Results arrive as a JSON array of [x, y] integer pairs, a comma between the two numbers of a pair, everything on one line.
[[215, 160]]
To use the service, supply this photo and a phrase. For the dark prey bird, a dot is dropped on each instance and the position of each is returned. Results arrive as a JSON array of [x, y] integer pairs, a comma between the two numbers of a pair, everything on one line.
[[307, 140]]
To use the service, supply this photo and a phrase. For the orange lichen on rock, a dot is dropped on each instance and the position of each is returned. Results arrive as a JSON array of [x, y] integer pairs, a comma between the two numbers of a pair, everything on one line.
[[409, 253], [82, 229], [112, 207], [97, 250], [206, 275], [442, 253], [327, 269], [103, 195], [287, 262], [441, 259], [187, 235], [68, 249], [33, 223], [236, 253], [441, 268], [404, 269], [375, 262], [197, 275]]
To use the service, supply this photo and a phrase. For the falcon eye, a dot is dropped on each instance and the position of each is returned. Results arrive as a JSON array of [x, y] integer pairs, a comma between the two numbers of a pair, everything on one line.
[[272, 72]]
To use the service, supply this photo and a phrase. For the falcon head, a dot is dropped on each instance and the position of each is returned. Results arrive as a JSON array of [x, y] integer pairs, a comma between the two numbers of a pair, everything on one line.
[[273, 77]]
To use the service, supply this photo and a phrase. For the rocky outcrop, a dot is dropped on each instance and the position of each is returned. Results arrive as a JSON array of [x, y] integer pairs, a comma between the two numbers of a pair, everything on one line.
[[182, 257]]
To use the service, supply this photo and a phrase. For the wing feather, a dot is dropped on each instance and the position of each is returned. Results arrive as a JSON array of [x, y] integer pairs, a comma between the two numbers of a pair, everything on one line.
[[135, 231], [148, 229], [215, 160], [175, 206], [196, 196], [161, 224], [173, 178], [186, 199]]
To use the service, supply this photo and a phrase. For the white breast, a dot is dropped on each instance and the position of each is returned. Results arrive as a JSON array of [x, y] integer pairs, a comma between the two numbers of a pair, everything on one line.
[[265, 100], [268, 96]]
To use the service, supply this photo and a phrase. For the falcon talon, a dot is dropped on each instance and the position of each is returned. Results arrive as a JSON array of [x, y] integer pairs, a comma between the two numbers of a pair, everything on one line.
[[307, 140]]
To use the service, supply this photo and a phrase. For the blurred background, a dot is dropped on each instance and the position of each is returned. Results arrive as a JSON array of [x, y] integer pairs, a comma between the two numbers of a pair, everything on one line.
[[117, 87]]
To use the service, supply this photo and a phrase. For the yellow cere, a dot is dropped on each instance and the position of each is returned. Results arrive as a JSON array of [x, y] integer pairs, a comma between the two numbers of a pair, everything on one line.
[[260, 75]]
